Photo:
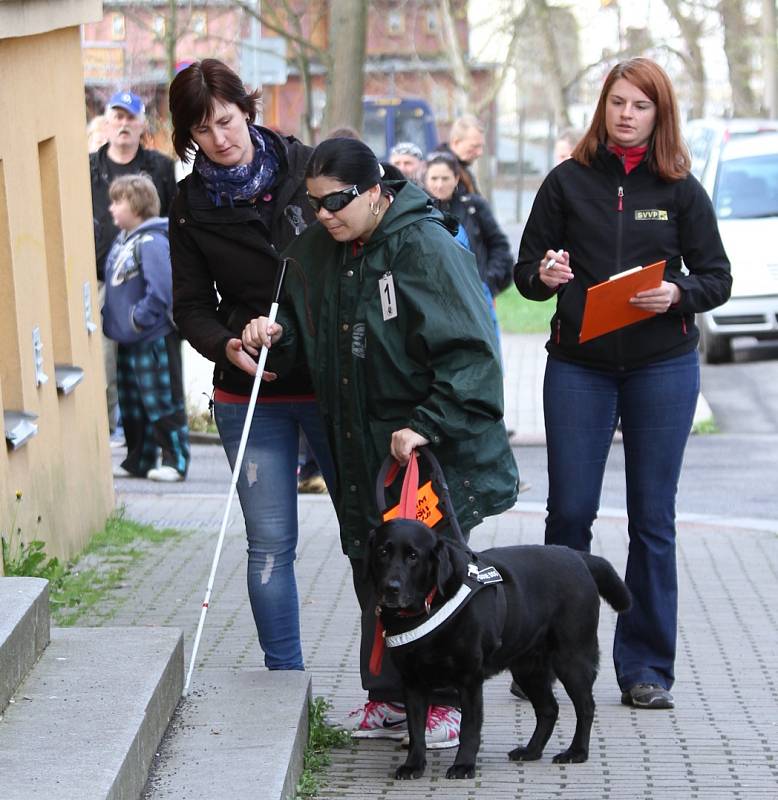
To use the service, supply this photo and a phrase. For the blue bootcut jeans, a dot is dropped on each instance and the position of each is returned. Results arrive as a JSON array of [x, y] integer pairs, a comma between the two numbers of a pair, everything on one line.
[[267, 489], [656, 405]]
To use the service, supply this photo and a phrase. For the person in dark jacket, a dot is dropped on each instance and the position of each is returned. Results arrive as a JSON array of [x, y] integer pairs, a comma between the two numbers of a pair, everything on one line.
[[488, 243], [466, 141], [387, 310], [137, 315], [242, 204], [122, 154], [625, 198]]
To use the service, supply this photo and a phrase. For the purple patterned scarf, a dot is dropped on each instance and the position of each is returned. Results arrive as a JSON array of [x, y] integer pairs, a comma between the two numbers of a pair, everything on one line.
[[244, 181]]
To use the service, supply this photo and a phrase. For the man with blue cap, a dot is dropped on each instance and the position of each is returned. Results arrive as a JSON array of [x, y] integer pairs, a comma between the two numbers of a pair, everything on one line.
[[122, 154]]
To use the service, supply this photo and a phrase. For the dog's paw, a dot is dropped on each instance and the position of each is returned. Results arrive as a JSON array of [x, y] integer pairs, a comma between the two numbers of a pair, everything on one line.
[[461, 771], [571, 757], [409, 772], [523, 754]]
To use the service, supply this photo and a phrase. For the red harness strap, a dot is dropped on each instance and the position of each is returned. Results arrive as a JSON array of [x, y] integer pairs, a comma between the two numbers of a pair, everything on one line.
[[410, 489]]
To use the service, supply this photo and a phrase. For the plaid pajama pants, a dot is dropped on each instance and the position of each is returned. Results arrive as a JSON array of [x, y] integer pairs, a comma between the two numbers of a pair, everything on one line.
[[151, 399]]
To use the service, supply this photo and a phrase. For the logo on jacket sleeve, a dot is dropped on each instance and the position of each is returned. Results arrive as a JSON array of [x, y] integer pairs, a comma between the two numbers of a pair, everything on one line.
[[657, 214]]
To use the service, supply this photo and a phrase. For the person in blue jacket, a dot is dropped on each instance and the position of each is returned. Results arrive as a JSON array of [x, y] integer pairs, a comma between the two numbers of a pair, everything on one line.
[[137, 315]]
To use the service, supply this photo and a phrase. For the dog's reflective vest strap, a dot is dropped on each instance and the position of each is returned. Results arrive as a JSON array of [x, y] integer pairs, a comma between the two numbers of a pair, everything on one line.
[[377, 655]]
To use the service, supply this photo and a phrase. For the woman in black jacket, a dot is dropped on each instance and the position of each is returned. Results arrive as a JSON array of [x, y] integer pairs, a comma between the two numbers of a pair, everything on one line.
[[487, 242], [625, 198], [482, 235], [243, 204]]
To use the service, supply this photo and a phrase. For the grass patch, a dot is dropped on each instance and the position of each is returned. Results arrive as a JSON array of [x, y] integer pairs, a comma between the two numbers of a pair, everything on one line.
[[80, 585], [201, 422], [516, 314], [705, 426], [102, 566], [321, 739]]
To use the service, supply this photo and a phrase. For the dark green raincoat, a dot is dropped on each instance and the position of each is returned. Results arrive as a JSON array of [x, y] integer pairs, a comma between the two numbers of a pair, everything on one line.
[[432, 367]]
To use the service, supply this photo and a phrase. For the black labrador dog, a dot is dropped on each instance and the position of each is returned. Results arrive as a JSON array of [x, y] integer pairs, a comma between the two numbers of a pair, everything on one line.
[[453, 618]]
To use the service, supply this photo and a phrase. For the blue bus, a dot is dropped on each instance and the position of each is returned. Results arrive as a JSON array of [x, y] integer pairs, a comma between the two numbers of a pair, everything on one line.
[[388, 120]]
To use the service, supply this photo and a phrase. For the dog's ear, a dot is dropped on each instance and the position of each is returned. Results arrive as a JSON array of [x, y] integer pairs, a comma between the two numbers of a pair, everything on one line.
[[451, 564]]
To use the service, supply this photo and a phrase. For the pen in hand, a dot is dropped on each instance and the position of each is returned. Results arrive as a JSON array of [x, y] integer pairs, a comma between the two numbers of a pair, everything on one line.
[[552, 261]]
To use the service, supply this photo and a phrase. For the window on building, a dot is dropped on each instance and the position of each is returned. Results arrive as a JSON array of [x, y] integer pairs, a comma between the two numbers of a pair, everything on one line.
[[395, 22], [159, 25], [10, 356], [117, 26], [199, 23], [56, 269], [433, 26]]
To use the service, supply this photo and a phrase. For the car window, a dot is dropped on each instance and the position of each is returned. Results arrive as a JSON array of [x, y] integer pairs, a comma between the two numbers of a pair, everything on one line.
[[374, 130], [747, 187], [409, 126], [700, 143]]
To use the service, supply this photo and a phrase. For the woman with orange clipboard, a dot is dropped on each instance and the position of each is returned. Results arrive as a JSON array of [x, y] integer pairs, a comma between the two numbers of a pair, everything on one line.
[[625, 198]]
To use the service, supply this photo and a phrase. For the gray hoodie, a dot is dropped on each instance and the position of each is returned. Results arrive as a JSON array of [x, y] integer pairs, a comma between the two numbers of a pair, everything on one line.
[[138, 285]]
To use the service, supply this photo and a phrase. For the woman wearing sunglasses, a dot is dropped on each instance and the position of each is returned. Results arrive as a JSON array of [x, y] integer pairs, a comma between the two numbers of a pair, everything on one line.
[[243, 202], [388, 311]]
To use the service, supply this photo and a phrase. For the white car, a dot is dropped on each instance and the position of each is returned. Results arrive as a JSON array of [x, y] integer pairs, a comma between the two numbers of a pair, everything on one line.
[[741, 177]]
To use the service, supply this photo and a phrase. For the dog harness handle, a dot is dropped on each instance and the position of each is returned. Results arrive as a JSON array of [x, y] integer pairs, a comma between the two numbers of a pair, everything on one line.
[[389, 471]]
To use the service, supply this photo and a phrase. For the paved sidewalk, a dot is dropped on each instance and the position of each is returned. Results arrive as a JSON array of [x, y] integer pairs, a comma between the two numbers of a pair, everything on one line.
[[720, 741]]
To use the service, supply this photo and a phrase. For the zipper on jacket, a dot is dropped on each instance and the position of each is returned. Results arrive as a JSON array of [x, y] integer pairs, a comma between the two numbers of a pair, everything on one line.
[[619, 228]]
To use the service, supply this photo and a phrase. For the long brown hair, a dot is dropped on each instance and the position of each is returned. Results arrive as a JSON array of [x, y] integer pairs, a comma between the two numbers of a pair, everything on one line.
[[667, 154], [192, 94]]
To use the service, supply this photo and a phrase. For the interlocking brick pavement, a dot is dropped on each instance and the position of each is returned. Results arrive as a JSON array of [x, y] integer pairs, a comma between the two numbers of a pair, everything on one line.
[[719, 742]]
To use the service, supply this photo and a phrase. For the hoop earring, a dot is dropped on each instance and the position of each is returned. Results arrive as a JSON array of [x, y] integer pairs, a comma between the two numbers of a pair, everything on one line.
[[375, 208]]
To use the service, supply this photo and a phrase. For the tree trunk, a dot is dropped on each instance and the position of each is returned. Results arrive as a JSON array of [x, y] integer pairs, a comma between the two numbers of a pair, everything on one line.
[[345, 81], [460, 71], [769, 58], [691, 30], [171, 39], [550, 62], [737, 48], [308, 133]]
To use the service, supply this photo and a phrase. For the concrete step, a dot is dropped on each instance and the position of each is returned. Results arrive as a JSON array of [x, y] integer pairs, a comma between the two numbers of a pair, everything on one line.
[[86, 722], [24, 630], [238, 734]]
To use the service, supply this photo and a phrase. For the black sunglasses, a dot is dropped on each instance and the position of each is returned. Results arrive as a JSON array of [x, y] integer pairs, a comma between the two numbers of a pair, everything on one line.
[[335, 201]]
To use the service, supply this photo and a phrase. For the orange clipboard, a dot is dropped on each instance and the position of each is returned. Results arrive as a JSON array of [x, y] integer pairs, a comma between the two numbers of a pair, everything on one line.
[[607, 304]]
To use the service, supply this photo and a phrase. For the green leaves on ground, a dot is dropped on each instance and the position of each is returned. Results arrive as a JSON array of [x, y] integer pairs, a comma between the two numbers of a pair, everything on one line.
[[80, 585], [321, 739]]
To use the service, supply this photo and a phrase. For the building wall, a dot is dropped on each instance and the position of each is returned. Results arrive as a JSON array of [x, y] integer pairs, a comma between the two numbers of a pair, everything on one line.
[[46, 257], [403, 37]]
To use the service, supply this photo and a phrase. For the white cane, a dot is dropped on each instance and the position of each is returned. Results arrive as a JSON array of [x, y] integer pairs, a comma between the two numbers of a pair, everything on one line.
[[235, 473]]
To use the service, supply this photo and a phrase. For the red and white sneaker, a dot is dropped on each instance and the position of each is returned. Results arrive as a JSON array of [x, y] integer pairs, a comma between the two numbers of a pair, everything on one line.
[[377, 720], [442, 729]]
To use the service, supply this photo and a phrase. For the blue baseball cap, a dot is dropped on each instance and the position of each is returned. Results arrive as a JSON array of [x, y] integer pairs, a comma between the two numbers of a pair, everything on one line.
[[128, 101]]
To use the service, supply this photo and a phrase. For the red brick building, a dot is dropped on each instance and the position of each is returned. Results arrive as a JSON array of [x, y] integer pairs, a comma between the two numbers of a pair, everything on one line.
[[406, 55]]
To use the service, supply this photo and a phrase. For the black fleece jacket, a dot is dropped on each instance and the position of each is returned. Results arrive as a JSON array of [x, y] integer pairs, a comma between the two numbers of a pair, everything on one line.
[[234, 250], [610, 221], [488, 243]]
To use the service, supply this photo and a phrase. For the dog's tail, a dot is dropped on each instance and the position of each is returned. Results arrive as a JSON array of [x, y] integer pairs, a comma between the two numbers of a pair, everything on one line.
[[609, 584]]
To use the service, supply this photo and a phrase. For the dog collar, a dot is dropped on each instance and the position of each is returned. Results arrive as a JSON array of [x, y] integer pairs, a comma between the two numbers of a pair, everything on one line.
[[435, 621], [475, 580]]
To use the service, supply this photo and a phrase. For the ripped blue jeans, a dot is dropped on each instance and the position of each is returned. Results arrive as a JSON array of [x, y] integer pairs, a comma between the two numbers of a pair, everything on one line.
[[267, 489]]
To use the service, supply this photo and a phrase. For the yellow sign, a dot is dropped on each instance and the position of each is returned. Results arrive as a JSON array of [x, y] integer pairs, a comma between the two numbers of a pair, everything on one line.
[[103, 63], [427, 510]]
